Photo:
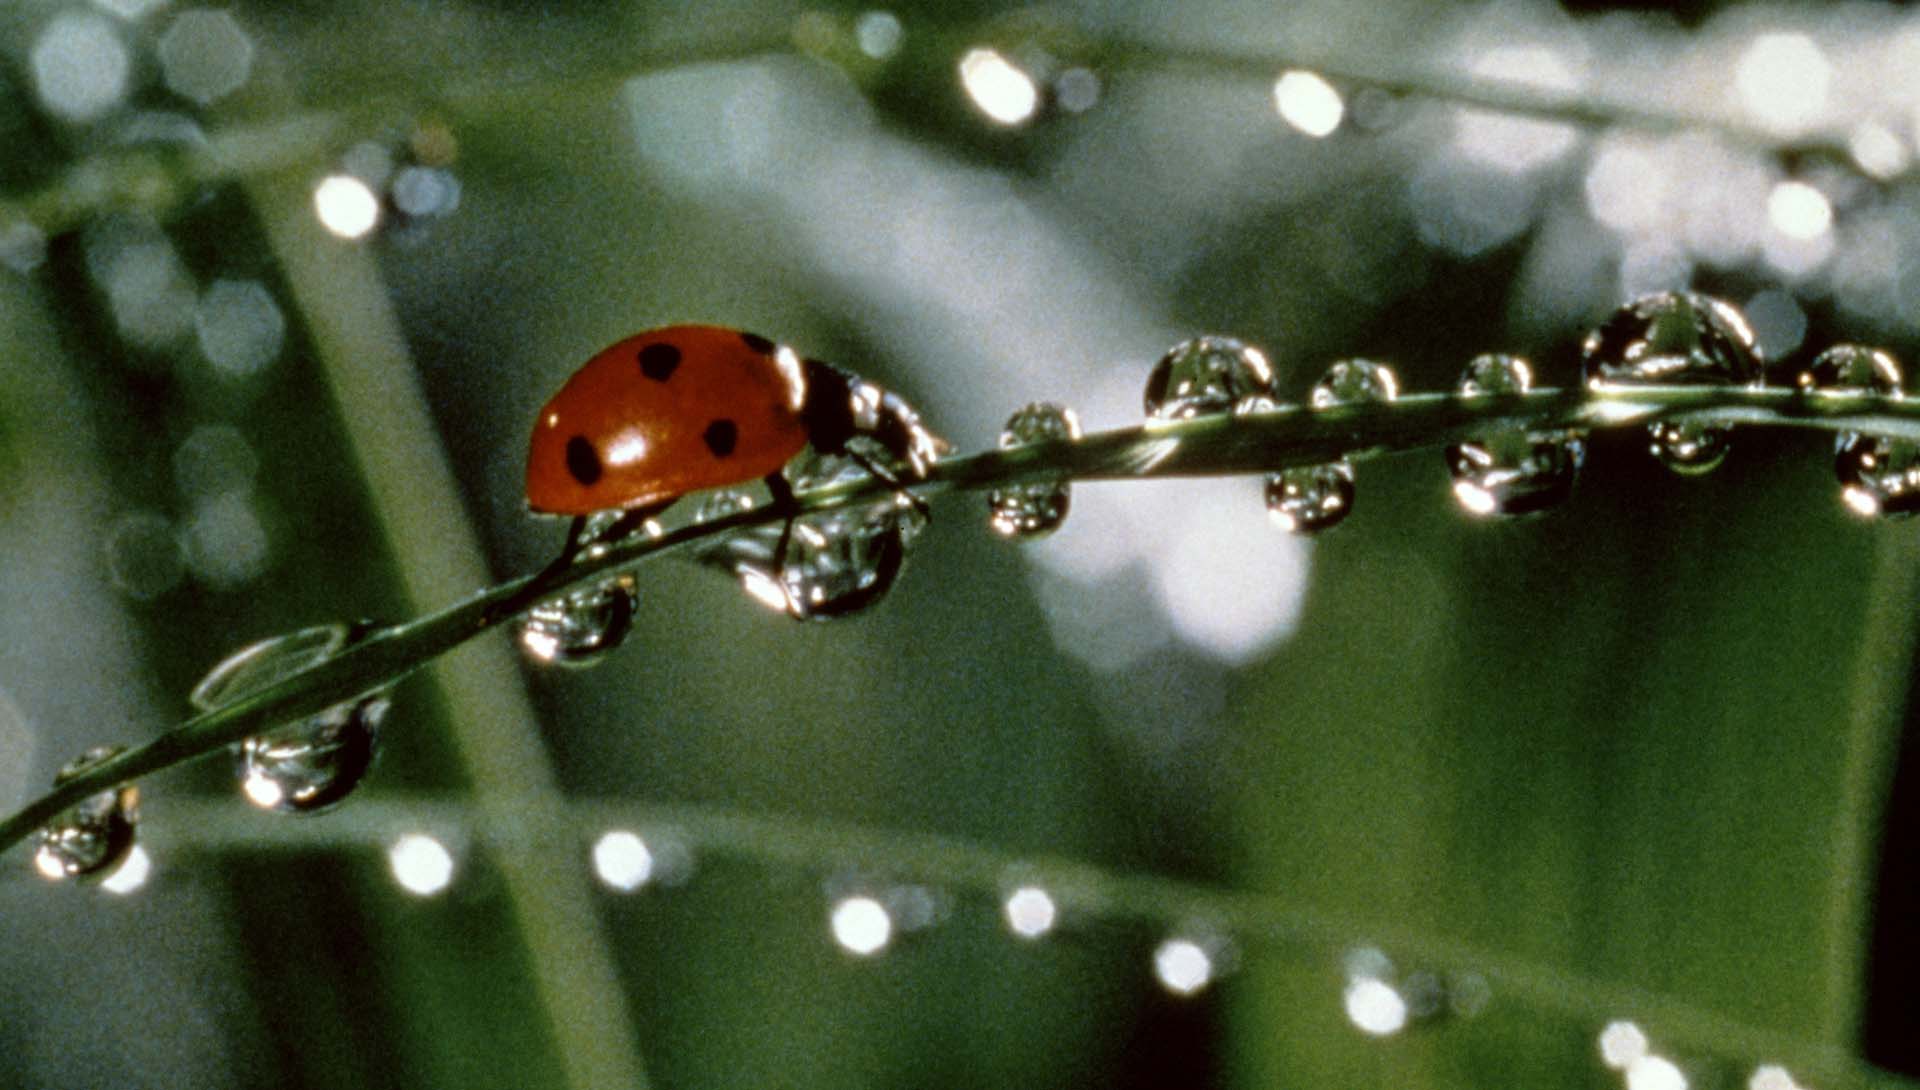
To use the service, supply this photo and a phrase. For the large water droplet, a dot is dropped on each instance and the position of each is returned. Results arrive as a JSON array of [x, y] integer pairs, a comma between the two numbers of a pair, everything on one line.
[[841, 560], [579, 628], [1879, 475], [1036, 508], [311, 764], [1310, 499], [1204, 376], [1675, 339], [1511, 472], [93, 837]]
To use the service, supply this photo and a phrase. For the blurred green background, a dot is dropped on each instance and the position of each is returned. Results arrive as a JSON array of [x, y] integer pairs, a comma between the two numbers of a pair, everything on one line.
[[1632, 761]]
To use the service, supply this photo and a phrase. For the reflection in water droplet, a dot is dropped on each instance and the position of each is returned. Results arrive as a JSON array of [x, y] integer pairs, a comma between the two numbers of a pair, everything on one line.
[[581, 627], [1310, 499], [309, 765], [841, 560], [96, 834], [1511, 472], [1675, 339], [1035, 509], [1204, 376], [1879, 475], [131, 875]]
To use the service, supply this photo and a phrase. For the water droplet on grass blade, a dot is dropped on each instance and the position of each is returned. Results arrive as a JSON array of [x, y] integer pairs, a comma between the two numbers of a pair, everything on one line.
[[840, 560], [579, 628], [311, 764], [96, 834], [1511, 472], [1205, 376], [1879, 475], [1311, 499], [1035, 509], [1675, 339]]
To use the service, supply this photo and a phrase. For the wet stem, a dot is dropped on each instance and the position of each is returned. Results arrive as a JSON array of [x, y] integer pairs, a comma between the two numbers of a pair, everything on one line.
[[1205, 446]]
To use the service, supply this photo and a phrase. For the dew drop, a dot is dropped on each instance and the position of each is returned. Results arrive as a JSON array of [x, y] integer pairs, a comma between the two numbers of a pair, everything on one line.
[[1204, 376], [1034, 509], [96, 835], [312, 764], [1511, 472], [1312, 499], [579, 628], [1675, 339], [1879, 475], [841, 560]]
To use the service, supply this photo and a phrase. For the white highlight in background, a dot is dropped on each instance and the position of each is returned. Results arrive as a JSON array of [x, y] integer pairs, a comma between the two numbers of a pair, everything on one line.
[[1308, 102], [1622, 1044], [1654, 1073], [1183, 966], [861, 925], [1376, 1007], [1799, 211], [421, 864], [1030, 912], [622, 860], [1783, 80], [345, 205], [1000, 89]]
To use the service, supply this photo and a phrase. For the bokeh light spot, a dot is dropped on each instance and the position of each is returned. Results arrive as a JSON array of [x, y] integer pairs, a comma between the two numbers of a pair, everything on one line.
[[1183, 966], [998, 87], [1655, 1073], [878, 34], [1783, 80], [1621, 1044], [345, 205], [1376, 1007], [239, 326], [1308, 102], [205, 55], [421, 864], [80, 66], [861, 925], [622, 860], [1799, 211], [1030, 912]]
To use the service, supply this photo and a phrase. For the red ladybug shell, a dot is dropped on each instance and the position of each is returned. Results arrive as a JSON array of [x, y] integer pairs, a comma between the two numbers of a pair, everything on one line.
[[663, 413]]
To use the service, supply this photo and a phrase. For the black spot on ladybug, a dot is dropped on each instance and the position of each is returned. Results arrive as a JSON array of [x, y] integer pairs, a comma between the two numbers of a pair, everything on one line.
[[758, 343], [721, 435], [582, 460], [659, 361]]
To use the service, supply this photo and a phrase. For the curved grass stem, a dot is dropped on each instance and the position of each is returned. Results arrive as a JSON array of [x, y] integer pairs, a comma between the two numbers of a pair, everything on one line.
[[1207, 446]]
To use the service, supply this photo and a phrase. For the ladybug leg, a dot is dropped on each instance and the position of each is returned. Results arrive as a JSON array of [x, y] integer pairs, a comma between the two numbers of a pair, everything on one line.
[[887, 478], [576, 541], [629, 521], [782, 501]]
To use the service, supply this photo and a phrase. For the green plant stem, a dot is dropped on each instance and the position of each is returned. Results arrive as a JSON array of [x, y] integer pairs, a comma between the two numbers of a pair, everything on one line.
[[1271, 924], [1207, 446]]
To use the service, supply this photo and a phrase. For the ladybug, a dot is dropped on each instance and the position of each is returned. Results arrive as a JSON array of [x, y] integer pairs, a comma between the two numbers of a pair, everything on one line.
[[684, 408]]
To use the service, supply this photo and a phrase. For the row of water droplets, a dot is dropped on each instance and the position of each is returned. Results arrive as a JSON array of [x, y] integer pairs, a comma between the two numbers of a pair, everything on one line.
[[836, 561]]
